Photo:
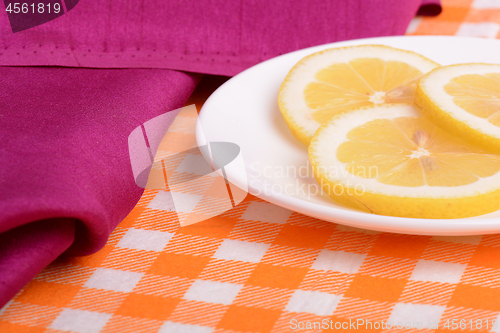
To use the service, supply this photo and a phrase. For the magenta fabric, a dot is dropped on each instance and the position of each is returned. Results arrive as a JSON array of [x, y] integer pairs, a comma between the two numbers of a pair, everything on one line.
[[26, 250], [210, 36], [65, 169]]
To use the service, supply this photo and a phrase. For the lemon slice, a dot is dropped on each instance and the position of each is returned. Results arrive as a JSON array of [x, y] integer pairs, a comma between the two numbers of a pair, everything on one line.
[[391, 160], [464, 100], [333, 81]]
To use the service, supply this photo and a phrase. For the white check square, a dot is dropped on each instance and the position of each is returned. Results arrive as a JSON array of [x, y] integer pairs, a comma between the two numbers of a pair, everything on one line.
[[149, 240], [80, 321], [315, 302], [194, 164], [162, 201], [496, 328], [171, 327], [485, 4], [213, 292], [415, 316], [414, 23], [185, 202], [485, 29], [266, 212], [231, 249], [437, 271], [339, 261], [113, 279]]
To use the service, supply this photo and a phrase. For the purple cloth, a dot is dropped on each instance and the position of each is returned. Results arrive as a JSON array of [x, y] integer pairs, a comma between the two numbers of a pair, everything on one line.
[[26, 250], [64, 158], [213, 37]]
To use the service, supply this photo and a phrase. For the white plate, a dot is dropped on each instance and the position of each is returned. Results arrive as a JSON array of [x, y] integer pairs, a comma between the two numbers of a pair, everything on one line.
[[245, 111]]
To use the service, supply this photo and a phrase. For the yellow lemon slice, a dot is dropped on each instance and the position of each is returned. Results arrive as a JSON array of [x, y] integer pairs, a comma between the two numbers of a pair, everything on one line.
[[391, 160], [464, 100], [334, 81]]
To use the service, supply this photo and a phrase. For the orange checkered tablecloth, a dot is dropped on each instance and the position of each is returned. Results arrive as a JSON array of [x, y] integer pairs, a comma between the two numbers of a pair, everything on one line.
[[262, 268]]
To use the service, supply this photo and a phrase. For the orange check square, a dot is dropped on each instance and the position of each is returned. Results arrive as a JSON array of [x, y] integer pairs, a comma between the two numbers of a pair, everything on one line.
[[250, 319], [132, 217], [47, 293], [96, 259], [399, 246], [486, 256], [376, 288], [453, 14], [266, 275], [147, 306], [300, 236], [181, 265], [468, 296], [216, 227], [8, 327]]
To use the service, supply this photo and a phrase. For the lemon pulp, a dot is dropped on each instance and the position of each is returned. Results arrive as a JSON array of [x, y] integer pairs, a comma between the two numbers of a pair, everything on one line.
[[464, 100], [334, 81], [390, 160]]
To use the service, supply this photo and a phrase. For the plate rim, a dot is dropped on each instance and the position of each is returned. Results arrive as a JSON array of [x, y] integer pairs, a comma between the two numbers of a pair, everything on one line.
[[352, 218]]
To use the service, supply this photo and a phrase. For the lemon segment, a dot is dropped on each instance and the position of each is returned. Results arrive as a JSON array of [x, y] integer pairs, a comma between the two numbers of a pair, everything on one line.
[[390, 160], [338, 80], [465, 101]]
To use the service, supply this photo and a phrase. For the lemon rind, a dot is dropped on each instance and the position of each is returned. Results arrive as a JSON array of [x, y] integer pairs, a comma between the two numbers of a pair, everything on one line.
[[444, 206], [438, 106]]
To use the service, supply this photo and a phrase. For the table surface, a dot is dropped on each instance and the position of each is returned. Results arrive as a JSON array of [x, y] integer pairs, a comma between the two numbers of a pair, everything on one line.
[[262, 268]]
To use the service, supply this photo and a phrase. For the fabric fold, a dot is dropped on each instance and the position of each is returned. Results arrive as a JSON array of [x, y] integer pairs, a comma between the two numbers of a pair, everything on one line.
[[64, 158], [26, 250]]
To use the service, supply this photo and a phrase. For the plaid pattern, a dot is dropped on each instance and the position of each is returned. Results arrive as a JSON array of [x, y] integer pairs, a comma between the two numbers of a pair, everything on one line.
[[261, 268], [467, 18], [190, 186]]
